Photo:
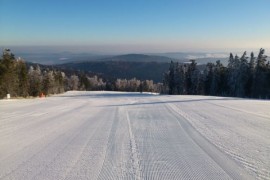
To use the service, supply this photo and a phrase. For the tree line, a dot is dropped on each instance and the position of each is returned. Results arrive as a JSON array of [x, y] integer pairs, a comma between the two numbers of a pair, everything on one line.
[[243, 77], [18, 80]]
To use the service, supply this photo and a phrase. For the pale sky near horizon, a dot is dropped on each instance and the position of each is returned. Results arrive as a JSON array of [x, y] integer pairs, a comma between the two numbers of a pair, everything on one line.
[[137, 26]]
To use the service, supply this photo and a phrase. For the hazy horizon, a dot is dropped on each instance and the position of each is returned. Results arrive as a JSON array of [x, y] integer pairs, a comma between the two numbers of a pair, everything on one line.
[[50, 55], [119, 27], [95, 50]]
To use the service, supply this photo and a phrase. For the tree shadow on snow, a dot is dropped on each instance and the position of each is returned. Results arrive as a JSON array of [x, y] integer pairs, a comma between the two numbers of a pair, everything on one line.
[[105, 95], [168, 102]]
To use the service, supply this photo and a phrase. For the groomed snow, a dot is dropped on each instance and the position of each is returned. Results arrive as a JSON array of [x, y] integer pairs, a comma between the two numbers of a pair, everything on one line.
[[114, 135]]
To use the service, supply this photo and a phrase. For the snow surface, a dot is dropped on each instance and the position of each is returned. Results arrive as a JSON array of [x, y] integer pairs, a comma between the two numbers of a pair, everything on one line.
[[112, 135]]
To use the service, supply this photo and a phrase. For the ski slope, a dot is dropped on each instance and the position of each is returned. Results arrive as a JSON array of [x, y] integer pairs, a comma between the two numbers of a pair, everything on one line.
[[113, 135]]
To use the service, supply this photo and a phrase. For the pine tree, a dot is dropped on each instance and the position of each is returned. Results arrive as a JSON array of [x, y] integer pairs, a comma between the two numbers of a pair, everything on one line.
[[219, 85], [233, 75], [171, 78], [9, 82], [243, 76], [74, 82], [192, 78], [209, 71], [180, 79], [35, 81], [23, 79], [250, 74], [252, 61], [59, 81], [48, 83], [260, 76], [84, 82]]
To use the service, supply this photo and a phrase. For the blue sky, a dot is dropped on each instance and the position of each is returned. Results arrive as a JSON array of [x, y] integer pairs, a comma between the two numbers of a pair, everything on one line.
[[134, 26]]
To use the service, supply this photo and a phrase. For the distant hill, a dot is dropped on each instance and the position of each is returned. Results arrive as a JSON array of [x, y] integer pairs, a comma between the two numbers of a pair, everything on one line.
[[122, 69], [139, 58], [127, 66], [143, 67], [191, 55], [59, 58], [66, 57], [60, 55], [201, 58]]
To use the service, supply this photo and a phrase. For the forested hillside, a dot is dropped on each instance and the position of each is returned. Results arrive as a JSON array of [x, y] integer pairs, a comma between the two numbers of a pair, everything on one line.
[[20, 79], [243, 77], [122, 69]]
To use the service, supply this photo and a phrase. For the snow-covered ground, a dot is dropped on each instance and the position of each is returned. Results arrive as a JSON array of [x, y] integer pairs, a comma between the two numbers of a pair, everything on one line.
[[106, 135]]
